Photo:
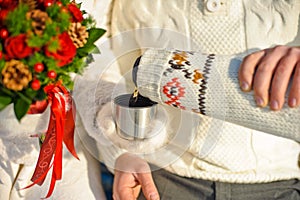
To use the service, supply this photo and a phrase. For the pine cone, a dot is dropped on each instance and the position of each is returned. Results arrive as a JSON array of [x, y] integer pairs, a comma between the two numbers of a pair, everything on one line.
[[78, 34], [16, 75], [31, 3], [39, 19]]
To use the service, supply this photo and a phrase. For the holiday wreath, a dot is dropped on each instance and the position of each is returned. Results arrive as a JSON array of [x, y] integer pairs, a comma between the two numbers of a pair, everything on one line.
[[42, 43]]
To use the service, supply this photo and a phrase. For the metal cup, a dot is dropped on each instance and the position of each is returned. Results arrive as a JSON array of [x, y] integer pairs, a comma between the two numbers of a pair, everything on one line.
[[133, 122]]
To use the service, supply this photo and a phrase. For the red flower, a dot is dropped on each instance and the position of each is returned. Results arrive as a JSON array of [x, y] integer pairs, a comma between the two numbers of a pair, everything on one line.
[[8, 4], [76, 13], [3, 14], [66, 52], [16, 47]]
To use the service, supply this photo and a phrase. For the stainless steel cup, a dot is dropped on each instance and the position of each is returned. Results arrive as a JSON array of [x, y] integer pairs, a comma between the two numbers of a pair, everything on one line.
[[133, 122]]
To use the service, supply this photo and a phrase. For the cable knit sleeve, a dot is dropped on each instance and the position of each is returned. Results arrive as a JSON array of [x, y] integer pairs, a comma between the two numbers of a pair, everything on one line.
[[208, 84], [92, 94]]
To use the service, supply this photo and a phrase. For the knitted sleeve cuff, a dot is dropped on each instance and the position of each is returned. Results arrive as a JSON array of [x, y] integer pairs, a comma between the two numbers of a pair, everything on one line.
[[177, 78], [149, 73]]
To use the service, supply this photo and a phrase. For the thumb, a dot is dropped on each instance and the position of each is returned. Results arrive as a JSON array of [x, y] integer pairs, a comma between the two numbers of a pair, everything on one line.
[[125, 186], [148, 187]]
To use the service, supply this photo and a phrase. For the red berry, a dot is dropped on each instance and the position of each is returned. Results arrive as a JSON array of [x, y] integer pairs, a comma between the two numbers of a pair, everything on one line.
[[64, 10], [1, 54], [35, 84], [48, 3], [4, 33], [51, 74], [38, 67], [59, 4]]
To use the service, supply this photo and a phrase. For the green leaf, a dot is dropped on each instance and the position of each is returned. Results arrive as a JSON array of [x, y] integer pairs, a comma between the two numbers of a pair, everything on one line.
[[87, 49], [24, 98], [30, 93], [95, 34], [4, 101], [2, 64], [41, 95], [96, 50], [21, 107], [6, 91]]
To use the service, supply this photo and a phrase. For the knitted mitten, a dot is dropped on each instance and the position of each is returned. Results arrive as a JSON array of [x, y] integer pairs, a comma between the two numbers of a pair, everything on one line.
[[208, 84]]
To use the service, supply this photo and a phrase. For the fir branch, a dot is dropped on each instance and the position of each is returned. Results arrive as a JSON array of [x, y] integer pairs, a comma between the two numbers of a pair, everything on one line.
[[65, 2], [36, 58], [89, 22], [66, 80], [51, 30], [53, 45], [16, 21], [50, 63], [53, 11], [63, 22]]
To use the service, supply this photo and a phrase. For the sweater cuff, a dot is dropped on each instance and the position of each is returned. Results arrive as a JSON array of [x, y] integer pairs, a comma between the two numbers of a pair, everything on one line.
[[150, 70]]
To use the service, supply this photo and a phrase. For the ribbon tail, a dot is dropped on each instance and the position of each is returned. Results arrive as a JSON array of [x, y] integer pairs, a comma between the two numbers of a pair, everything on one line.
[[46, 153], [59, 113], [52, 186], [41, 178], [56, 172], [70, 128], [60, 130]]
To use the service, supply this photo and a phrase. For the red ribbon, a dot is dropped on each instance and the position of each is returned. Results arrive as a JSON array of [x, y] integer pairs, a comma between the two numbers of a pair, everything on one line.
[[60, 129]]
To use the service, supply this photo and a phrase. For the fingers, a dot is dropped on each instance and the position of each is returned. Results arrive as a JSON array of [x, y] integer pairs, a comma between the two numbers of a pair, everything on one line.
[[264, 74], [131, 174], [281, 79], [268, 73], [125, 187], [247, 69], [294, 95], [149, 189]]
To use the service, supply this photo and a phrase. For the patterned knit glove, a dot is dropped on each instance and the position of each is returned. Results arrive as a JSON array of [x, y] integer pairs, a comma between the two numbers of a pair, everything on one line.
[[208, 85]]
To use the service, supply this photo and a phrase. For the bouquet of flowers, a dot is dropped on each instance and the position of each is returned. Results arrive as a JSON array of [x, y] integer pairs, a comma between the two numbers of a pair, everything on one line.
[[42, 43]]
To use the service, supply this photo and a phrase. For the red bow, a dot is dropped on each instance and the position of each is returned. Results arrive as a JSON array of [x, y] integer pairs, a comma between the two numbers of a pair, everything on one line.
[[60, 129]]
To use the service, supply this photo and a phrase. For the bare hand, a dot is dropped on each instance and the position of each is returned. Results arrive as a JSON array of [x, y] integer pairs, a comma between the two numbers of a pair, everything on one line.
[[268, 72], [131, 174]]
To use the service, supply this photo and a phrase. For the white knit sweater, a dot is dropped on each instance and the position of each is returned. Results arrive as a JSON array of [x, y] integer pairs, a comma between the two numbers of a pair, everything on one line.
[[190, 144]]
